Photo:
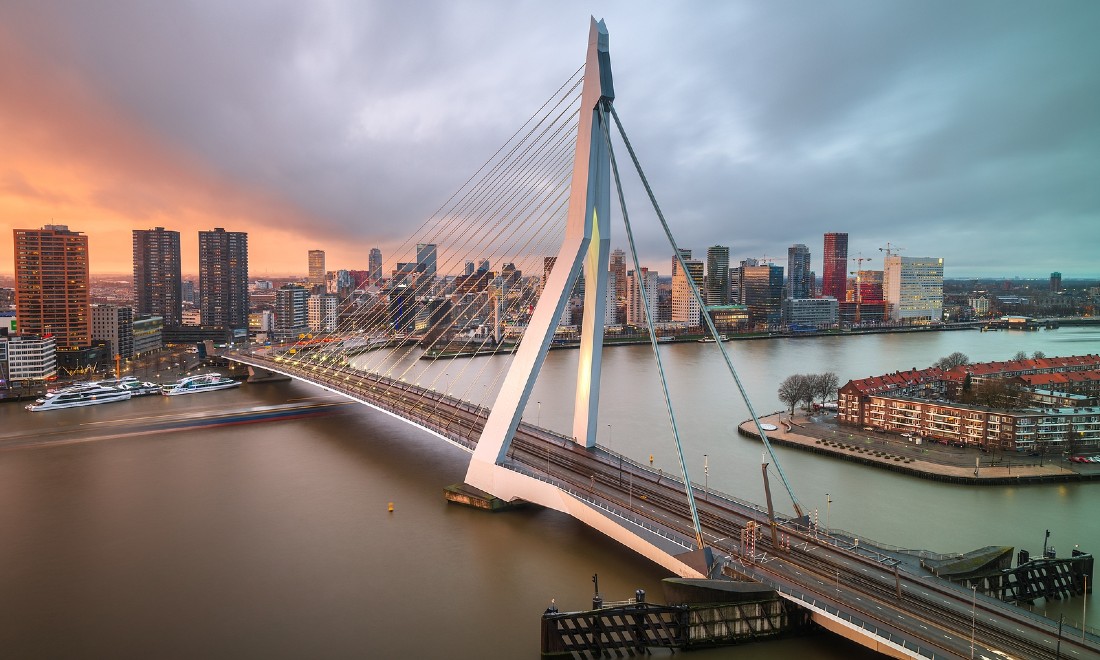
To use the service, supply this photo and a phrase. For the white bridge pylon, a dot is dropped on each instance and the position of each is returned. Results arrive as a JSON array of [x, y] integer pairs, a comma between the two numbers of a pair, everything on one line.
[[587, 244]]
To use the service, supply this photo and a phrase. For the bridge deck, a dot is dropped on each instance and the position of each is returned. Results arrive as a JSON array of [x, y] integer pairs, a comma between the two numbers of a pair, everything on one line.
[[910, 612]]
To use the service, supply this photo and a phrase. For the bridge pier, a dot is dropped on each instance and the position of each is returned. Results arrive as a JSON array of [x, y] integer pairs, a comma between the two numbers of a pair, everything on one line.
[[261, 375]]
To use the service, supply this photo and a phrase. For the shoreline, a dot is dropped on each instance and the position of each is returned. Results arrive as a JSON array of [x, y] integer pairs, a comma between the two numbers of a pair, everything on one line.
[[931, 462]]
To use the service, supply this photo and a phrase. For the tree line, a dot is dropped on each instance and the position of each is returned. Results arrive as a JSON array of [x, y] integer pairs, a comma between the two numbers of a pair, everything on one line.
[[806, 388]]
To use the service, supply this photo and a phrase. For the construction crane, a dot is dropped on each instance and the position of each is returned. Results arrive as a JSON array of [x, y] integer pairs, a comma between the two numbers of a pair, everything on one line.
[[890, 249], [859, 269]]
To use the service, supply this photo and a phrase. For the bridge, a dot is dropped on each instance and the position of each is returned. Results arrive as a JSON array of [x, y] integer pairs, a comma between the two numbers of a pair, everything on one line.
[[412, 349]]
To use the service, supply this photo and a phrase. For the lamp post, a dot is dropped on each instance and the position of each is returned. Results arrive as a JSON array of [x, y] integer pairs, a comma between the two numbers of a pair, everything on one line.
[[447, 383], [706, 479], [974, 616], [538, 419], [828, 510], [609, 437], [1058, 648]]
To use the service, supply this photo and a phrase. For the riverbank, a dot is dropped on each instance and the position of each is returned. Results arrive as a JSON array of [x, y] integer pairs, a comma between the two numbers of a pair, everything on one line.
[[821, 434]]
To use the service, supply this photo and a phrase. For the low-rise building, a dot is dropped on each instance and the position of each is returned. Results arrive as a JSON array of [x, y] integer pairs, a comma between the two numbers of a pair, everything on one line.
[[148, 334], [920, 402], [29, 358]]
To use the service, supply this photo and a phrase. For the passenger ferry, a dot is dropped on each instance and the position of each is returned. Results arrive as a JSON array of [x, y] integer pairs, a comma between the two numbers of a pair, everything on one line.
[[89, 394], [132, 385], [201, 383]]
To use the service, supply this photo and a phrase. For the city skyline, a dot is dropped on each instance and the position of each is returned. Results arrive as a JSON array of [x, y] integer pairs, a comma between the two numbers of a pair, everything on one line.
[[904, 124]]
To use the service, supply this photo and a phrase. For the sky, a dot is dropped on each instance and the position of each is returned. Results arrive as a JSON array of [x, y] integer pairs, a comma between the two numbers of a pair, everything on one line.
[[963, 130]]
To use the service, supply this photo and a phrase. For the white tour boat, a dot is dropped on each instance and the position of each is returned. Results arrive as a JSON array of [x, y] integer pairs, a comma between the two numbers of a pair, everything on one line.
[[132, 385], [201, 383], [88, 394]]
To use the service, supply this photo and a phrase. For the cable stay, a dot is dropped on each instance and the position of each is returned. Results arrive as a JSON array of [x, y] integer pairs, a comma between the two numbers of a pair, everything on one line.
[[706, 317]]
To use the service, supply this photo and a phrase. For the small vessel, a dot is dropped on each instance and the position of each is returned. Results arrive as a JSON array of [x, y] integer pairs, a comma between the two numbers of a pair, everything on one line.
[[132, 385], [88, 394], [200, 383]]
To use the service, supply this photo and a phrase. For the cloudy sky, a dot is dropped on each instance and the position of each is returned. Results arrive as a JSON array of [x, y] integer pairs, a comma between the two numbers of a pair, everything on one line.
[[967, 130]]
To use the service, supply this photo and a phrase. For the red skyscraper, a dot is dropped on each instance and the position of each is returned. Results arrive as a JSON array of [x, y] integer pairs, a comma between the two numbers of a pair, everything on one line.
[[834, 277]]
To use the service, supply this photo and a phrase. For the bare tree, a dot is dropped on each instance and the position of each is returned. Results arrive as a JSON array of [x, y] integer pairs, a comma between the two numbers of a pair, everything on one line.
[[795, 390], [947, 362], [1038, 355], [825, 385], [1020, 355]]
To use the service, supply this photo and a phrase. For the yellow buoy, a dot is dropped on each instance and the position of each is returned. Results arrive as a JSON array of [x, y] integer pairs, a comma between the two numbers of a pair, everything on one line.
[[391, 507]]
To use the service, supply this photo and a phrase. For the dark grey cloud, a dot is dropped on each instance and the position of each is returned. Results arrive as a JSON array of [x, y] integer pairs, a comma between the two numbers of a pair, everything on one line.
[[961, 130]]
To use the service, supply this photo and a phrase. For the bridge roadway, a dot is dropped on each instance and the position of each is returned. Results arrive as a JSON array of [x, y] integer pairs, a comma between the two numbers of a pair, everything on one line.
[[848, 586]]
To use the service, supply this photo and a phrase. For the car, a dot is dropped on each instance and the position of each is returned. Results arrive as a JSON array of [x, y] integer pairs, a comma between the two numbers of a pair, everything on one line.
[[868, 429]]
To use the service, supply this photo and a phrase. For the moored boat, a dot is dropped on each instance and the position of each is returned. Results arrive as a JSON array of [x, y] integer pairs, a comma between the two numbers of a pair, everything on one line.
[[200, 383], [88, 394], [132, 385]]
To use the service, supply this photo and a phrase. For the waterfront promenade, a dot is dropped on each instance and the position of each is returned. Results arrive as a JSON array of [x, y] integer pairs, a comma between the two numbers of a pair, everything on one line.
[[821, 434]]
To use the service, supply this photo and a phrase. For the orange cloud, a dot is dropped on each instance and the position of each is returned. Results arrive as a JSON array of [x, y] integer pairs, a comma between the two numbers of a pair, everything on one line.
[[70, 156]]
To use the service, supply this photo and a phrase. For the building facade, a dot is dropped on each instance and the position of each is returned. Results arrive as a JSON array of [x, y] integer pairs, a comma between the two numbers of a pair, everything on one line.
[[913, 287], [115, 325], [799, 274], [685, 307], [718, 275], [148, 334], [919, 403], [158, 284], [29, 358], [316, 260], [51, 285], [321, 312], [834, 276], [426, 260], [641, 289], [223, 278], [762, 292], [810, 312], [374, 265], [291, 312]]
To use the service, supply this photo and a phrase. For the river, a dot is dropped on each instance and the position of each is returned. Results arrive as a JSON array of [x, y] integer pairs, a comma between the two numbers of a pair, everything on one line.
[[274, 539]]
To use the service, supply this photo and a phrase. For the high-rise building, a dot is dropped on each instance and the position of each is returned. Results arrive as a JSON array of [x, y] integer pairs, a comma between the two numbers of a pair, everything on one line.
[[718, 275], [291, 311], [316, 267], [799, 275], [483, 266], [685, 308], [617, 266], [321, 312], [834, 278], [639, 290], [223, 278], [914, 288], [762, 292], [187, 292], [158, 289], [51, 285], [686, 254], [374, 265], [426, 261], [114, 324], [547, 266], [469, 269], [1056, 282]]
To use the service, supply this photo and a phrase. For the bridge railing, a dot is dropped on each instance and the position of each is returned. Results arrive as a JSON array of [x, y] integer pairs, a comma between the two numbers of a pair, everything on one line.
[[600, 502], [869, 628]]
